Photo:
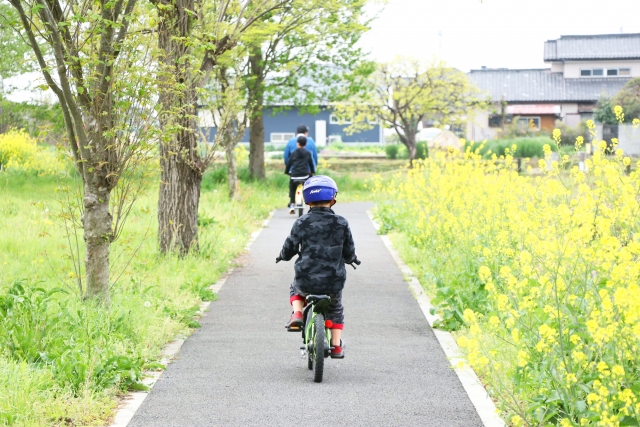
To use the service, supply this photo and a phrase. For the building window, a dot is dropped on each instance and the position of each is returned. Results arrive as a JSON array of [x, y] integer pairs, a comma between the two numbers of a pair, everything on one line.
[[532, 123], [609, 72], [495, 121], [281, 138], [335, 120]]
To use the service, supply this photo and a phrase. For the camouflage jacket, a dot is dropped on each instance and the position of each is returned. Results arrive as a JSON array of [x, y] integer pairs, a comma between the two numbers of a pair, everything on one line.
[[324, 243]]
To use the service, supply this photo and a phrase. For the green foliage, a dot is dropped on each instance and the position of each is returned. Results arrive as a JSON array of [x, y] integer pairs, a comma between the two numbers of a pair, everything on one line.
[[604, 112], [37, 120], [629, 99], [308, 43], [571, 133], [39, 329], [422, 150], [525, 147], [271, 147], [403, 93], [12, 45], [392, 151]]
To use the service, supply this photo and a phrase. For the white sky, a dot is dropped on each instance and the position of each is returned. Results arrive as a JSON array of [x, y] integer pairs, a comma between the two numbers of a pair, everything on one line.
[[494, 33], [468, 34]]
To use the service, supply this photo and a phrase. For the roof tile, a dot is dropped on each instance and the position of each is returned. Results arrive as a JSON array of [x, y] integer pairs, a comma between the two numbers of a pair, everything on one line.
[[603, 46], [541, 85]]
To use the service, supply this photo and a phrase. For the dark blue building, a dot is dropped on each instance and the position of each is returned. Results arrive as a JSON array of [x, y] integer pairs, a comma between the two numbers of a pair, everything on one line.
[[324, 128]]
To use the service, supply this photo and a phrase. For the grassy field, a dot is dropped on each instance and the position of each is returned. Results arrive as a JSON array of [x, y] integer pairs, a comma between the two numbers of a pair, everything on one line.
[[65, 361]]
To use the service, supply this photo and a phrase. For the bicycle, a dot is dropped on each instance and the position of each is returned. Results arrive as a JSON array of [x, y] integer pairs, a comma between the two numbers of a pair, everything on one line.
[[299, 199], [316, 333]]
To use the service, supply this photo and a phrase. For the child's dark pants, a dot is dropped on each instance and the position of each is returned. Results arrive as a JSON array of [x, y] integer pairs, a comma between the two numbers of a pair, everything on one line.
[[335, 312]]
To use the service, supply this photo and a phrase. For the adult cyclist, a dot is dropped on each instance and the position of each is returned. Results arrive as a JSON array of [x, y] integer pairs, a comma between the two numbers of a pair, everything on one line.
[[292, 145]]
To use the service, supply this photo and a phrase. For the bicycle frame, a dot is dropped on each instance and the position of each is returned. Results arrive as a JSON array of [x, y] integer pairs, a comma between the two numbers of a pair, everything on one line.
[[309, 328]]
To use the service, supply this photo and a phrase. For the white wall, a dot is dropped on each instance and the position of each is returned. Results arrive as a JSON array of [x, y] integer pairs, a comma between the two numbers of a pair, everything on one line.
[[557, 67], [629, 139], [572, 68], [478, 127]]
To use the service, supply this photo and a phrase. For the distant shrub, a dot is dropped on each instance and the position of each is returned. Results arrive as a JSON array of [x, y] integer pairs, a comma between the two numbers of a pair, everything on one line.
[[20, 152], [392, 151], [403, 153], [524, 147], [570, 133], [271, 147], [422, 151]]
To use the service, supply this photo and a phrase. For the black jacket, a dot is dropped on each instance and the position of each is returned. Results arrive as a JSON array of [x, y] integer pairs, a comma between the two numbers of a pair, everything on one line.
[[324, 243], [300, 163]]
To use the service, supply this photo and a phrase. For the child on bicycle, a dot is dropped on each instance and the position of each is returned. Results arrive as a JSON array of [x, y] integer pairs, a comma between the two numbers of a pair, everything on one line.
[[323, 242], [300, 166]]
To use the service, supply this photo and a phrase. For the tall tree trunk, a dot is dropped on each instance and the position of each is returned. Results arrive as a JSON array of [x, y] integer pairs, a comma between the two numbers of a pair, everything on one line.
[[178, 203], [256, 146], [256, 135], [181, 174], [410, 142], [232, 169], [98, 232]]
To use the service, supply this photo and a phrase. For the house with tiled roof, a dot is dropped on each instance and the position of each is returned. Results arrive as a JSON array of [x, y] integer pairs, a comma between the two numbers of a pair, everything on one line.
[[582, 69]]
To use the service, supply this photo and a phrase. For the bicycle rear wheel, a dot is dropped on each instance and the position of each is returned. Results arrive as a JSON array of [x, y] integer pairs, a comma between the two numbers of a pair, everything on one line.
[[309, 340], [318, 348]]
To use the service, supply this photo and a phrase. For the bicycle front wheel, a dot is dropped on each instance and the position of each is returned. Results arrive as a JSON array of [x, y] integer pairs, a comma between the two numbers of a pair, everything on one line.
[[318, 348]]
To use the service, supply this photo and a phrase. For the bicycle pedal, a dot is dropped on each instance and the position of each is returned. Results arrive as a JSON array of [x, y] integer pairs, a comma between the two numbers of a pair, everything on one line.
[[294, 329]]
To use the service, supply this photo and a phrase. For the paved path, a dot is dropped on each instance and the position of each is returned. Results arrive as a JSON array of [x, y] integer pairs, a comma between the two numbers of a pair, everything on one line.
[[243, 369]]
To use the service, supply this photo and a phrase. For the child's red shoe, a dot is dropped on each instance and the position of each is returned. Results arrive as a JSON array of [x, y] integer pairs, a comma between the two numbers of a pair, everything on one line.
[[338, 351], [295, 323]]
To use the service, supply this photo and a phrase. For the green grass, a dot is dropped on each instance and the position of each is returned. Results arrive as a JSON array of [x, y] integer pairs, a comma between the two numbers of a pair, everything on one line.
[[62, 360], [65, 361]]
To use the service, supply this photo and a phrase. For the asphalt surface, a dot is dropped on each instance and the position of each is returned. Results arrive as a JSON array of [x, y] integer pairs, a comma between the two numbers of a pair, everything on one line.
[[243, 369]]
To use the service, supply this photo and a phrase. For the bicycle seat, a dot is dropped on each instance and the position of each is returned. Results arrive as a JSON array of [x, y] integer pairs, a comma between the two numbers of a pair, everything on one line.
[[317, 298]]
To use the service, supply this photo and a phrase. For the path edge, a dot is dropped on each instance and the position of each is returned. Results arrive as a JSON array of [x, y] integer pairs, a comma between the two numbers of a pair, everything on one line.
[[476, 392], [129, 405]]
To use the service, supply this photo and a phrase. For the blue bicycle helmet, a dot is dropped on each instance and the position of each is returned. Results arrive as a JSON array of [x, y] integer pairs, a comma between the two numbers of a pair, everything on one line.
[[319, 188]]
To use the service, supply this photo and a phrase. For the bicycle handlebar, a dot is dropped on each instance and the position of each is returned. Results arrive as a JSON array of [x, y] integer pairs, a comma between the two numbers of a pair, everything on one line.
[[355, 261]]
